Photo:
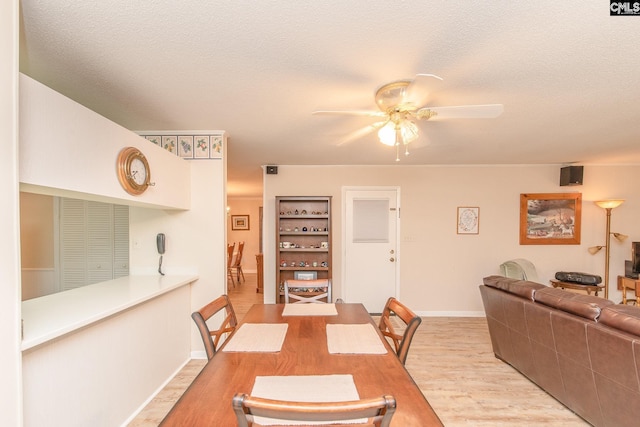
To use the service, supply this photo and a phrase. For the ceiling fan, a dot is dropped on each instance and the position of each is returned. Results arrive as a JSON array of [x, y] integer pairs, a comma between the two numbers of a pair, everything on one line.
[[402, 103]]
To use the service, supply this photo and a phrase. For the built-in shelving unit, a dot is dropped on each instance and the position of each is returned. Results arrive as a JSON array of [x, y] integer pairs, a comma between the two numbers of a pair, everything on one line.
[[303, 239]]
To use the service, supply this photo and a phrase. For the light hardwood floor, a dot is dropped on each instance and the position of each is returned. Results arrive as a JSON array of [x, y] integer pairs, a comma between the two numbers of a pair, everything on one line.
[[451, 361]]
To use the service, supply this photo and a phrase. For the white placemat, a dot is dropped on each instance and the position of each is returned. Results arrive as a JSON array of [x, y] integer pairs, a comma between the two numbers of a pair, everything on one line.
[[310, 309], [258, 337], [306, 388], [354, 339]]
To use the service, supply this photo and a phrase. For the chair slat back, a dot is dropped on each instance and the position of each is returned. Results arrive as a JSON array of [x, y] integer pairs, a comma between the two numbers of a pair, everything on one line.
[[295, 290], [401, 341], [211, 338], [230, 248], [379, 410], [238, 259]]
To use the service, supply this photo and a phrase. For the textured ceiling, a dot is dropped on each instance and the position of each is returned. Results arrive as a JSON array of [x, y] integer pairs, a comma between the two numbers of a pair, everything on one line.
[[566, 72]]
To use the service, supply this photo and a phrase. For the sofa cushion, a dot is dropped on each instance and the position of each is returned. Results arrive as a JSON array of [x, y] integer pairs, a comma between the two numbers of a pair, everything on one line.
[[587, 306], [623, 317], [521, 288]]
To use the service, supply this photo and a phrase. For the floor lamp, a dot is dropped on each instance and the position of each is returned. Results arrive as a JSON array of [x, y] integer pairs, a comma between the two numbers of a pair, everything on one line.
[[607, 205]]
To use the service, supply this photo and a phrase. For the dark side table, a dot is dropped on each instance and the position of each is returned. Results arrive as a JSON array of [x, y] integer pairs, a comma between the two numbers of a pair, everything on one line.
[[577, 286]]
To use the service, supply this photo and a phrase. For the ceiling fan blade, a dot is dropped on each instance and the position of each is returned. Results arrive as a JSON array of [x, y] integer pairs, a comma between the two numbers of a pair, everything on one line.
[[367, 113], [420, 88], [359, 133], [486, 111]]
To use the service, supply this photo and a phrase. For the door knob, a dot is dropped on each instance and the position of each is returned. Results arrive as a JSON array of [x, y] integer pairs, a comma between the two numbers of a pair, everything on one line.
[[392, 259]]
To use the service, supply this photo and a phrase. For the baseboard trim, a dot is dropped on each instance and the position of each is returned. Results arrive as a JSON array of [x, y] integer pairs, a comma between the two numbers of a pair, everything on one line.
[[450, 313], [200, 354]]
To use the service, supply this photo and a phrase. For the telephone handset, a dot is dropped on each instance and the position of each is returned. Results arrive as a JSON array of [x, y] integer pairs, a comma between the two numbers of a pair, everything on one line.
[[161, 244]]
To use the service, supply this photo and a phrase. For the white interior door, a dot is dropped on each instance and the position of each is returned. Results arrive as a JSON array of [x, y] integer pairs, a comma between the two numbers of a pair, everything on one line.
[[371, 256]]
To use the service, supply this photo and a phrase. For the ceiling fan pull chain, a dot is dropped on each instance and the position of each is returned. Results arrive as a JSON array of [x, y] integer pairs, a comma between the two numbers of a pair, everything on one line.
[[399, 139]]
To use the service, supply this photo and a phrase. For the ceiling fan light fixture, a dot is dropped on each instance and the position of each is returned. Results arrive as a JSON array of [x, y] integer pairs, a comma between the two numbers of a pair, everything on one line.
[[409, 131], [401, 134], [402, 102], [391, 94], [387, 134]]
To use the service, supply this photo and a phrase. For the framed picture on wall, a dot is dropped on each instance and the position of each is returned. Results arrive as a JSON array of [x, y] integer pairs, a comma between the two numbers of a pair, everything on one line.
[[550, 218], [239, 222], [468, 220], [305, 275]]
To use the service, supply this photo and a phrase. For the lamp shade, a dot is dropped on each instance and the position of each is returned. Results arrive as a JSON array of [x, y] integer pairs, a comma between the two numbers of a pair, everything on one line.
[[387, 134], [400, 133], [409, 131], [609, 204], [620, 237]]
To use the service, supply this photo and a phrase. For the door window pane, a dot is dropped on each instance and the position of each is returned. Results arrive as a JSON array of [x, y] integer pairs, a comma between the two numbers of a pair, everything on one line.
[[370, 221]]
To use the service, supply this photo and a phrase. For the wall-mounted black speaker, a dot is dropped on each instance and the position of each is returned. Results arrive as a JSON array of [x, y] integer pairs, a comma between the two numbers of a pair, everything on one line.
[[272, 170], [571, 175]]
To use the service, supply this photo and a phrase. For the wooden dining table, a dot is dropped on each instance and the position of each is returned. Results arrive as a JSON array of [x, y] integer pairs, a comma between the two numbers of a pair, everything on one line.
[[207, 401]]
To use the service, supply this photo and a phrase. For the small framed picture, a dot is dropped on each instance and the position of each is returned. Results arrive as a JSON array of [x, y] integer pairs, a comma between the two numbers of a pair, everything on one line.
[[216, 147], [305, 275], [468, 220], [185, 146], [239, 222], [169, 143], [155, 139], [201, 148]]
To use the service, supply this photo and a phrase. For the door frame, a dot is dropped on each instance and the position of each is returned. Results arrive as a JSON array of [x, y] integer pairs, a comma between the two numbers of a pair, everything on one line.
[[343, 220]]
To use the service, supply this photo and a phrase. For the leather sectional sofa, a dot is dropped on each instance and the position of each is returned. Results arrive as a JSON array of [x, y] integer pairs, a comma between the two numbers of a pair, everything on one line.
[[583, 350]]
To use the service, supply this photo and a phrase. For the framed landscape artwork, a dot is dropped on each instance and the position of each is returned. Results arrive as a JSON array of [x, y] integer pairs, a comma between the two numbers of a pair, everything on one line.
[[239, 222], [550, 218]]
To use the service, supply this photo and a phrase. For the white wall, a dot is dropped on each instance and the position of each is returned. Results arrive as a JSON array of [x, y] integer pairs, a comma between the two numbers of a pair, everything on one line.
[[195, 238], [195, 244], [10, 358], [68, 150], [440, 270], [99, 375]]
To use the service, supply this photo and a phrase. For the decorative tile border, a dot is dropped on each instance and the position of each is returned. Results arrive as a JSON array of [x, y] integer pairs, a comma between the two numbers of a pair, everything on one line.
[[188, 145], [216, 147], [185, 147], [156, 139], [169, 143], [201, 149]]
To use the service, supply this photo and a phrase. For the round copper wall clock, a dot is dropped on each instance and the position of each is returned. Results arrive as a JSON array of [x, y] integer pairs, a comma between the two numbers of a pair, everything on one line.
[[133, 171]]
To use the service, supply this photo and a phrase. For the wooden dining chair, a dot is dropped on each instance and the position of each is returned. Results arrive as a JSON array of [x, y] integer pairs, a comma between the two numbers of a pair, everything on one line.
[[230, 249], [236, 266], [307, 291], [401, 341], [377, 410], [211, 338]]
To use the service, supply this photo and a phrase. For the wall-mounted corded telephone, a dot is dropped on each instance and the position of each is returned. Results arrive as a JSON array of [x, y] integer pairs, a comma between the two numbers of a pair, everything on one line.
[[161, 244]]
